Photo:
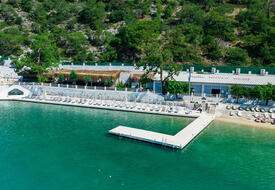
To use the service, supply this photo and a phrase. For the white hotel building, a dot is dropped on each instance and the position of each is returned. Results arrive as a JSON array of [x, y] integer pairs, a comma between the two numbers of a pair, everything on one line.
[[217, 83]]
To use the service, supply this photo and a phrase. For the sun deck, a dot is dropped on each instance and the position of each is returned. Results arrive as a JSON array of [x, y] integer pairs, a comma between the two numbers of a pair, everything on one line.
[[180, 140]]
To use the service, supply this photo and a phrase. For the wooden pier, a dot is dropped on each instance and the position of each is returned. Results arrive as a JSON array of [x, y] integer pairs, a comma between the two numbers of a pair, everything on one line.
[[180, 140]]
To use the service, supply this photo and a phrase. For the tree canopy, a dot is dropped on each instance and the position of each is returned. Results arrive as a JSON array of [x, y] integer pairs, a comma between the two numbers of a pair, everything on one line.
[[204, 32], [264, 92]]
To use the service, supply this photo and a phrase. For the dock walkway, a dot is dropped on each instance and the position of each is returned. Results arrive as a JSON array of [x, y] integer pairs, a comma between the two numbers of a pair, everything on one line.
[[180, 140]]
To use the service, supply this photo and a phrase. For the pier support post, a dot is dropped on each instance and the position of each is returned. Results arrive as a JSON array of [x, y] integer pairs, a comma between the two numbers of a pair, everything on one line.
[[67, 86], [75, 86], [58, 85]]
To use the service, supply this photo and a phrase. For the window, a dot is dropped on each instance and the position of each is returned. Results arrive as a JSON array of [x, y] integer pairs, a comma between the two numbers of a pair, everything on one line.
[[215, 91]]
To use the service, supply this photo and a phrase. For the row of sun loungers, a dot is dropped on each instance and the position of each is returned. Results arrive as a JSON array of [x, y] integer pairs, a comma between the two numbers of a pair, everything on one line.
[[109, 103], [250, 108], [264, 115]]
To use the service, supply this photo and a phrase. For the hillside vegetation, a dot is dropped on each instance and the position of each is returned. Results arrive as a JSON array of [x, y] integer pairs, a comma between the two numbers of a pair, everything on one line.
[[206, 32]]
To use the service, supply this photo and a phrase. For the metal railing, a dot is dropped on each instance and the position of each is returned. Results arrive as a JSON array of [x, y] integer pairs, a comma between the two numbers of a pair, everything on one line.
[[105, 88]]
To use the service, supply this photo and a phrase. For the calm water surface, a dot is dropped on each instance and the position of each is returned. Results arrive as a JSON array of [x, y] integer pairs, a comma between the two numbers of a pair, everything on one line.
[[46, 147]]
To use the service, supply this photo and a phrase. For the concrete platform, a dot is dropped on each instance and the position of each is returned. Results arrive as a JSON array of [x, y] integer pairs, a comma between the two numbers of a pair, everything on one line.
[[144, 135], [180, 140]]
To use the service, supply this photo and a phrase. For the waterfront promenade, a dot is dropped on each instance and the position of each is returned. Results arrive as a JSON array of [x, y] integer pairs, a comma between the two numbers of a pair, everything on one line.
[[180, 140], [121, 101]]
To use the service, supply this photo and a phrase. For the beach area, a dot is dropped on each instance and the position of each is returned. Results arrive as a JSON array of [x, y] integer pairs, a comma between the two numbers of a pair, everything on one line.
[[243, 120]]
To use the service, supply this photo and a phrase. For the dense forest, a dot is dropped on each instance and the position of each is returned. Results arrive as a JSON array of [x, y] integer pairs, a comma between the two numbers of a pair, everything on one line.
[[205, 32]]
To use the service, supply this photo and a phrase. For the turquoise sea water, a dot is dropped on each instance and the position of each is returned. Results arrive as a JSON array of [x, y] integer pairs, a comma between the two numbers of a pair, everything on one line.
[[45, 147]]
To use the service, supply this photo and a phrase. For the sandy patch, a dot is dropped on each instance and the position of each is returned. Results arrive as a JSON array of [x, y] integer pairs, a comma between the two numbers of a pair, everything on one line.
[[247, 121]]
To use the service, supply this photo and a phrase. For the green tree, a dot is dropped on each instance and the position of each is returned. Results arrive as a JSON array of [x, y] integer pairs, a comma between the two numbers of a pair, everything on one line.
[[238, 91], [236, 56], [132, 41], [73, 77], [44, 55], [26, 5], [120, 85], [93, 14], [9, 15], [108, 82], [61, 78], [191, 13], [144, 80], [158, 60], [256, 92], [175, 87], [11, 41], [268, 93], [87, 79], [75, 46], [219, 25]]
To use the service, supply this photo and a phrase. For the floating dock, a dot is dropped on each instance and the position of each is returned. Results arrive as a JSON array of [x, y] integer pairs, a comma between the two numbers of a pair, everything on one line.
[[180, 140]]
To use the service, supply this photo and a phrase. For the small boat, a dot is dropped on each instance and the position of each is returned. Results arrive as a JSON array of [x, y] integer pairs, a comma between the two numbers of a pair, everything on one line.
[[247, 108], [234, 107], [262, 110], [231, 113], [240, 108], [270, 110], [228, 107], [257, 109], [252, 109]]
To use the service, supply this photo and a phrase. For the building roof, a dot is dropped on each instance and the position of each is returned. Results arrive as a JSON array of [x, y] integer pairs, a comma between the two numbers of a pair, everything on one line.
[[224, 78], [94, 75], [135, 77]]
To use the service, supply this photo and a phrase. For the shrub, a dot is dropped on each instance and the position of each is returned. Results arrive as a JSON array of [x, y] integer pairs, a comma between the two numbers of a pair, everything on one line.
[[236, 56], [87, 79], [120, 85], [61, 78]]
